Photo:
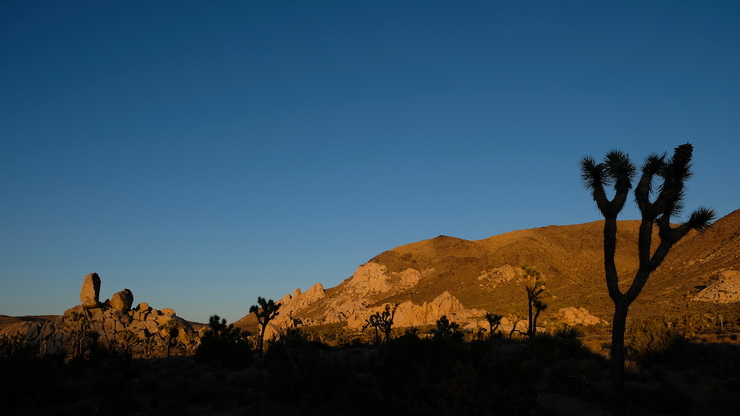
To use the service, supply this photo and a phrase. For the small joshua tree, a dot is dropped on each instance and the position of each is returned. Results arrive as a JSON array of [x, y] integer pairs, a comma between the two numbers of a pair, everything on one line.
[[265, 310], [447, 329], [535, 286], [618, 171], [169, 333], [494, 321], [381, 323]]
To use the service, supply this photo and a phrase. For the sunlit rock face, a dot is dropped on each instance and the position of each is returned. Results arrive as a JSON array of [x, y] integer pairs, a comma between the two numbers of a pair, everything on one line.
[[725, 290], [373, 278], [577, 316], [110, 324], [90, 293], [122, 301]]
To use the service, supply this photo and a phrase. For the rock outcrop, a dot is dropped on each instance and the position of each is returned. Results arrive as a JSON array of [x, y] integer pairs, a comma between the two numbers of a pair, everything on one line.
[[372, 278], [578, 316], [110, 324], [408, 314], [725, 290], [90, 293]]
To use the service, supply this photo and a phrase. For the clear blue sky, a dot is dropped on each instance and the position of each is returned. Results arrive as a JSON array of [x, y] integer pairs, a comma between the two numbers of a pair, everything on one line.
[[202, 154]]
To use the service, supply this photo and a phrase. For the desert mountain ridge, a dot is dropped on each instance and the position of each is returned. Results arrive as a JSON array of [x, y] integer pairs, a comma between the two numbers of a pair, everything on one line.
[[466, 279]]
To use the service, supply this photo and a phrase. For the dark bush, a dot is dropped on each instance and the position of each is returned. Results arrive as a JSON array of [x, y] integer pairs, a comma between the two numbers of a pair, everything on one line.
[[224, 347], [653, 341]]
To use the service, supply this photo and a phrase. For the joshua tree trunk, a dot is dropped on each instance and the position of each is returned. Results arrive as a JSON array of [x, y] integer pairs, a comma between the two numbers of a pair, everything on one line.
[[618, 356]]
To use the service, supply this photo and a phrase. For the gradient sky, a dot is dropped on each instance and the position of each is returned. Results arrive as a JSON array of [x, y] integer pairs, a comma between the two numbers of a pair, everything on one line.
[[202, 154]]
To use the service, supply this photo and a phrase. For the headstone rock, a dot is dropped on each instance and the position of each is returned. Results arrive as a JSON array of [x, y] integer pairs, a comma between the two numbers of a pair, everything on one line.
[[90, 293]]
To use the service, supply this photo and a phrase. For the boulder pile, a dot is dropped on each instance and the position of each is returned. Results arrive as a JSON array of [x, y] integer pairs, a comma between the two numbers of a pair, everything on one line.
[[111, 324], [578, 316]]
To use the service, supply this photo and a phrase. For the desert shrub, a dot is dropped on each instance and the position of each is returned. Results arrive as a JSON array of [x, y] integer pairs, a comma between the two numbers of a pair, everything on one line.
[[293, 341], [447, 330], [565, 343], [224, 347], [27, 379], [334, 334], [653, 341]]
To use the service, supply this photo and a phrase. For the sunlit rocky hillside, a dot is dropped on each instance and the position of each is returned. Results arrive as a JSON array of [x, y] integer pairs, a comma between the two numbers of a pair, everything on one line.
[[465, 279]]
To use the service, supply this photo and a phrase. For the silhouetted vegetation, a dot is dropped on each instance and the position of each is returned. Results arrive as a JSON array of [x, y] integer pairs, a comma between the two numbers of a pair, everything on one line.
[[224, 346], [535, 287], [382, 323], [617, 170], [494, 321], [443, 371], [265, 310]]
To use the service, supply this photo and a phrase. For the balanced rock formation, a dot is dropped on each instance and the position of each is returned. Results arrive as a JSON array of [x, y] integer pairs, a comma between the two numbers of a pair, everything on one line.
[[90, 293], [110, 324]]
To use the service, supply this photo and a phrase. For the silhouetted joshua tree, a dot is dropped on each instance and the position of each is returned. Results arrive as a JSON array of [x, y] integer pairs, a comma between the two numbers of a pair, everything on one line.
[[617, 171], [169, 333], [494, 321], [447, 329], [224, 346], [535, 286], [382, 323], [265, 311]]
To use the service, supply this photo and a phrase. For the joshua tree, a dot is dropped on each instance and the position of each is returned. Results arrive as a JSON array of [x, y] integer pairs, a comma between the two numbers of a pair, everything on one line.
[[618, 171], [382, 323], [224, 346], [493, 322], [265, 310], [77, 325], [539, 306], [535, 286], [447, 329], [169, 333], [514, 319]]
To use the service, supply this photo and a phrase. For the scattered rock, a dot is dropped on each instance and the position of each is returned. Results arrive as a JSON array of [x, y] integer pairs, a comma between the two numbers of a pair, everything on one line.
[[577, 316]]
